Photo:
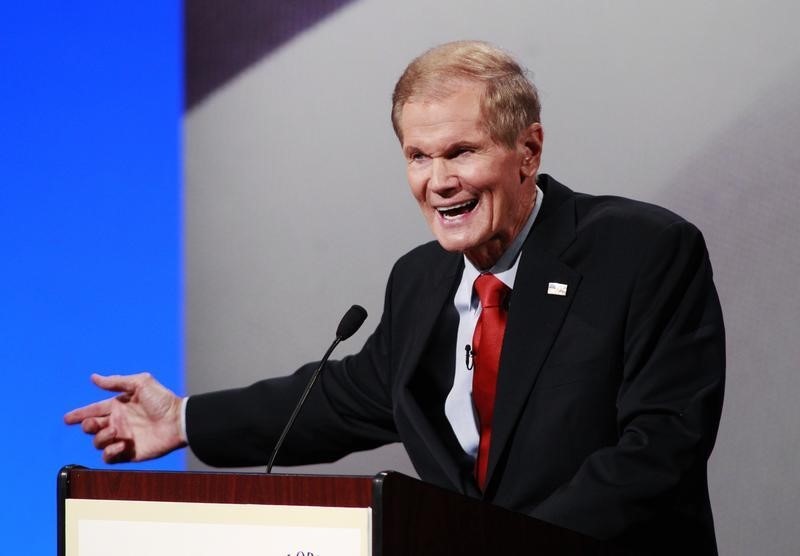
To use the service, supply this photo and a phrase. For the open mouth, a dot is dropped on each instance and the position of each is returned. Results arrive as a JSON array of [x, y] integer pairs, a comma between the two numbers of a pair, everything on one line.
[[457, 210]]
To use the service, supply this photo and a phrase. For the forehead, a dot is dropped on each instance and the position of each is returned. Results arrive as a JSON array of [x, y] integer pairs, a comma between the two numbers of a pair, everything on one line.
[[427, 121]]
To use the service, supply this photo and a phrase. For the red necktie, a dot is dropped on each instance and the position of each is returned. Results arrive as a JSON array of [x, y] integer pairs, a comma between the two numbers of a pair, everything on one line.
[[486, 344]]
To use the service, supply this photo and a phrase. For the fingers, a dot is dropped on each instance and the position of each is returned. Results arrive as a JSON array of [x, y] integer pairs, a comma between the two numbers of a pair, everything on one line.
[[118, 452], [115, 449], [93, 425], [97, 409], [113, 383], [105, 437]]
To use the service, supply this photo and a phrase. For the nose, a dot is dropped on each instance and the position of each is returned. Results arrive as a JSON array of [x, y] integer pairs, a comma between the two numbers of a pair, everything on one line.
[[442, 178]]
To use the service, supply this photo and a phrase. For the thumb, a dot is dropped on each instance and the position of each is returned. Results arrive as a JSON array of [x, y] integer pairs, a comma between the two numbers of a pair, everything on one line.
[[118, 383]]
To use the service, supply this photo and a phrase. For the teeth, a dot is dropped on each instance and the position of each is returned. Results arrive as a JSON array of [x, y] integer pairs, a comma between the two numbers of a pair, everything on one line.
[[444, 210]]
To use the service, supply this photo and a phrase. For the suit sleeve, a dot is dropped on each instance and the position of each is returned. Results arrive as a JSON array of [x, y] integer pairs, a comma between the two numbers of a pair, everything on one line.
[[668, 403], [349, 409]]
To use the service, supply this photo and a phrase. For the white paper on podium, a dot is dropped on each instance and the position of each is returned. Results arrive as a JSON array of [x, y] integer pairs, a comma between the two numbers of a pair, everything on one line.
[[134, 528]]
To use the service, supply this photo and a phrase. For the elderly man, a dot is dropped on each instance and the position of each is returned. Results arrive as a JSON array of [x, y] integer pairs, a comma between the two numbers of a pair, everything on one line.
[[552, 352]]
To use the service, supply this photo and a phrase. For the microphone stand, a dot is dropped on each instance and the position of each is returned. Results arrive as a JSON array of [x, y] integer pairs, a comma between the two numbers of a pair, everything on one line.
[[299, 405]]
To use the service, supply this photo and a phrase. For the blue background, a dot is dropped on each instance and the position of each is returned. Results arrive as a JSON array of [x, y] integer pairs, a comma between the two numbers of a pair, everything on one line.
[[90, 231]]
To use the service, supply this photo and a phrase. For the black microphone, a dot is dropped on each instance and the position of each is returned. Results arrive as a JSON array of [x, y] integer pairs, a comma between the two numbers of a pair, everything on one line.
[[350, 323], [469, 358]]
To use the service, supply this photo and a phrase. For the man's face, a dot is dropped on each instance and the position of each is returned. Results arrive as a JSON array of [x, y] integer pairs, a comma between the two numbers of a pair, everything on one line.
[[474, 193]]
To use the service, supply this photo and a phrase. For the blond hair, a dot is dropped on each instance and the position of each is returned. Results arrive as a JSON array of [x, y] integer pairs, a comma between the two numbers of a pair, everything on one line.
[[509, 101]]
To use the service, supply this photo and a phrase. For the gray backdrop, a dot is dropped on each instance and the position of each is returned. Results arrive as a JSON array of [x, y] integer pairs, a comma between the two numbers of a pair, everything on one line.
[[296, 202]]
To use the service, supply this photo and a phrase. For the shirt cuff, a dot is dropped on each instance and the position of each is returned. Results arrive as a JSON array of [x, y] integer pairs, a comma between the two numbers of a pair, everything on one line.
[[184, 435]]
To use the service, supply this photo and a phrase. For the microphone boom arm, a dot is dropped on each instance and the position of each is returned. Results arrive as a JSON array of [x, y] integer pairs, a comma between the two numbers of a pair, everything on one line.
[[299, 405]]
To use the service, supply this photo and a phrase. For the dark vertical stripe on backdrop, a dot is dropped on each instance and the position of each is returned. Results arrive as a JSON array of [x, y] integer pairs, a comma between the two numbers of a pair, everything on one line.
[[223, 38]]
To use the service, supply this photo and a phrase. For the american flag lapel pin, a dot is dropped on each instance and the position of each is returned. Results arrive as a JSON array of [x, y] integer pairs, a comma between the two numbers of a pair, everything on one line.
[[556, 288]]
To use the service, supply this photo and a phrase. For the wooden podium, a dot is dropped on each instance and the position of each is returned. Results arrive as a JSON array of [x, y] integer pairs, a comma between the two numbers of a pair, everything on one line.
[[406, 516]]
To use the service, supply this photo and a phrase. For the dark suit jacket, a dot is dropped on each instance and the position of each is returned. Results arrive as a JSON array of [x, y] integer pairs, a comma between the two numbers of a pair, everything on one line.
[[608, 398]]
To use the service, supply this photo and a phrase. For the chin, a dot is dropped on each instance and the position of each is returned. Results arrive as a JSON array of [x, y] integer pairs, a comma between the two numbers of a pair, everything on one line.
[[454, 244], [458, 238]]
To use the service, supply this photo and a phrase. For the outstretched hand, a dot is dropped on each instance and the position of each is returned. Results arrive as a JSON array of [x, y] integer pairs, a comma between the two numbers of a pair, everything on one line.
[[142, 422]]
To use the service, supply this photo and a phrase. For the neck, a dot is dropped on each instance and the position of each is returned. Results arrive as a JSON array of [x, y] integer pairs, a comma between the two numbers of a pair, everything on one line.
[[484, 257]]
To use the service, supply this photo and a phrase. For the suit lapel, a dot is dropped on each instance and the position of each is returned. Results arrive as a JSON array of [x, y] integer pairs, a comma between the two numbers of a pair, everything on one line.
[[436, 291], [535, 316], [428, 376]]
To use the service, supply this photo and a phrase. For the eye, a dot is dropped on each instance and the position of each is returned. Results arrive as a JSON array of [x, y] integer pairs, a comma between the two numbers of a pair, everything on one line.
[[461, 151], [417, 156]]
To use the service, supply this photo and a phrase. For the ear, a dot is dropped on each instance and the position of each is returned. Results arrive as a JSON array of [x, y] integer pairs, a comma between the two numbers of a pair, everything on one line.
[[529, 144]]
